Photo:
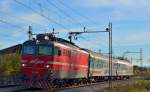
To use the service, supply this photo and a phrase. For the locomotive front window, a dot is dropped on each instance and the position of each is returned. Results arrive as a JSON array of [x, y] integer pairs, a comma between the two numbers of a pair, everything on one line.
[[45, 50], [28, 50]]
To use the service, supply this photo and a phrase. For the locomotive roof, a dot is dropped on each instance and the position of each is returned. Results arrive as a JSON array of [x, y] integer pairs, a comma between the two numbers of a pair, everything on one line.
[[52, 38], [65, 42], [30, 42]]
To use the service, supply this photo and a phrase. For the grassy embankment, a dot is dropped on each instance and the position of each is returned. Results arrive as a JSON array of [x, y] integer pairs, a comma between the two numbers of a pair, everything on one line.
[[10, 64], [138, 86]]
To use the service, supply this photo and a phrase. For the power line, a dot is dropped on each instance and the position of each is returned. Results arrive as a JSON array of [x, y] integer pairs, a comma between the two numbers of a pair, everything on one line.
[[52, 11], [5, 22], [49, 19], [95, 42], [73, 10], [41, 9], [66, 14], [23, 20]]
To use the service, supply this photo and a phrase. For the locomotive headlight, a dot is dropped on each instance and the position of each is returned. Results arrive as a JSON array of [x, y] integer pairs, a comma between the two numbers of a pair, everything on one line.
[[23, 65], [47, 66], [46, 38]]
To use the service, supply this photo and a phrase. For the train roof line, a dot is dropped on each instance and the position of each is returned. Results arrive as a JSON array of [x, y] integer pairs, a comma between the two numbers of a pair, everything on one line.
[[102, 55], [51, 37], [8, 49]]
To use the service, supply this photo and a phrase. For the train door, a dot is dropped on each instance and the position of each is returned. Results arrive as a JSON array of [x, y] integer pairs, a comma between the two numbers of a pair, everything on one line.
[[117, 68], [91, 66]]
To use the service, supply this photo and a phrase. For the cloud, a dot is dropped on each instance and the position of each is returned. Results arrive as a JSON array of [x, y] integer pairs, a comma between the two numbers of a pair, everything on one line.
[[119, 10], [1, 46], [31, 18], [7, 42], [5, 5], [17, 34], [113, 3], [138, 37], [132, 12], [11, 33]]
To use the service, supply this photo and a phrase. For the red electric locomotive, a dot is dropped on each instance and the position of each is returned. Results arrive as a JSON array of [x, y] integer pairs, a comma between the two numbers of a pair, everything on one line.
[[51, 58]]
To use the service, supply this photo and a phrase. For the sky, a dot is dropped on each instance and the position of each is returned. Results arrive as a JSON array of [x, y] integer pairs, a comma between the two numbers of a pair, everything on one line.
[[130, 19]]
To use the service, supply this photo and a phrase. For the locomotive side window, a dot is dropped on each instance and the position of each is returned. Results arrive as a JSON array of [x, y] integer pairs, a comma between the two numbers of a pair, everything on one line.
[[57, 51], [28, 50], [68, 53], [45, 50], [65, 52]]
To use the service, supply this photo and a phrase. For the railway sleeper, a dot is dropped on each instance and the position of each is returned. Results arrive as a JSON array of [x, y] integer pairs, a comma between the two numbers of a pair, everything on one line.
[[64, 83]]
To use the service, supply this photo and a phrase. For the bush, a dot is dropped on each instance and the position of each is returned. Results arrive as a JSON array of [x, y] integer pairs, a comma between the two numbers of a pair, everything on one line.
[[10, 64]]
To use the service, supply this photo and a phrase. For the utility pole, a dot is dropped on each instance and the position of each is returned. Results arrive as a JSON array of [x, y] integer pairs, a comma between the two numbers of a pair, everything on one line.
[[131, 60], [110, 54], [30, 32], [141, 56], [99, 51]]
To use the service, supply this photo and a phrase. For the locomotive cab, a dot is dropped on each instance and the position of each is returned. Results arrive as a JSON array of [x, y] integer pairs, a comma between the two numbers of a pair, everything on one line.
[[38, 58], [35, 59]]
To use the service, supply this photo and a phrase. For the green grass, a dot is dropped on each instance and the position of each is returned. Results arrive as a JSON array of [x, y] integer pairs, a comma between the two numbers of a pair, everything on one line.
[[138, 86], [10, 64]]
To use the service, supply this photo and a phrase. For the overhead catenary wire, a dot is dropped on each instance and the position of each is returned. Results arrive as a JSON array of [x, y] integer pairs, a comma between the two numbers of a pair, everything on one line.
[[96, 45], [77, 13], [8, 23], [23, 20], [106, 41], [41, 9], [47, 8], [102, 44], [16, 26], [49, 19], [66, 14], [88, 42]]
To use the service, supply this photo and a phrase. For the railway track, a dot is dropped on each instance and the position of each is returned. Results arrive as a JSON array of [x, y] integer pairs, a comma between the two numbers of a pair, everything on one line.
[[23, 89], [104, 84], [89, 87], [9, 80], [93, 87]]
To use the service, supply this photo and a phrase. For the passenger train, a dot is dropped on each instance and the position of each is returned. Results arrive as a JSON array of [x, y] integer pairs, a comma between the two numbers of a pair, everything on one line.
[[55, 59]]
